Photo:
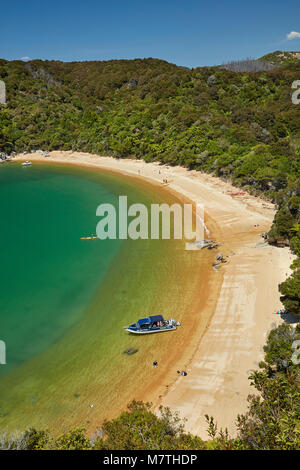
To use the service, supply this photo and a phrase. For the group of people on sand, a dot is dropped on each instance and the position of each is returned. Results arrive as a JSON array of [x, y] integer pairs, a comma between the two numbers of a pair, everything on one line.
[[183, 372], [281, 312]]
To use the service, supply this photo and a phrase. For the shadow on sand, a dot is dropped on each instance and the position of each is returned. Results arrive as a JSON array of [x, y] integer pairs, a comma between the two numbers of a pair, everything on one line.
[[289, 318]]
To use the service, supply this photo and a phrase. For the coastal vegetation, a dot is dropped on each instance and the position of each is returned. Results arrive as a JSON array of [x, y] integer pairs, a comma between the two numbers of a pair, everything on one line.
[[272, 421]]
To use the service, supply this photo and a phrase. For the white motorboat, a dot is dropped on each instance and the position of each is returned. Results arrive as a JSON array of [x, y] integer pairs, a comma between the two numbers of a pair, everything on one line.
[[152, 324]]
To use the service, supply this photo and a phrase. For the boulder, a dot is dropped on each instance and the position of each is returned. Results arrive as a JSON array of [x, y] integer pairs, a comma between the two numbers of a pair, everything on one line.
[[133, 83], [212, 80], [130, 351]]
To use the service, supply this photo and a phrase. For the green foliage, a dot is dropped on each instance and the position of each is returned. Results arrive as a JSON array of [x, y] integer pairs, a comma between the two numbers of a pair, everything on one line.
[[73, 440], [273, 418], [35, 440], [278, 350], [139, 428], [282, 58], [220, 439], [290, 290]]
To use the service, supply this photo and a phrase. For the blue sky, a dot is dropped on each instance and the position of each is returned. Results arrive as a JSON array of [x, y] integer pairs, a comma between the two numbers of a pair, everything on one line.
[[191, 33]]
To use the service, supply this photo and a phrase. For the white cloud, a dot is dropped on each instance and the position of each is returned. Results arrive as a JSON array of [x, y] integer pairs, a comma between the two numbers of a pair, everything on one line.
[[25, 58], [292, 35]]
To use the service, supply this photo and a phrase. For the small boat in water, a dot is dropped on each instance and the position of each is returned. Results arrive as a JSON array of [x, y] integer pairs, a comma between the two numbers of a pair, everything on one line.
[[27, 163], [153, 324], [92, 237]]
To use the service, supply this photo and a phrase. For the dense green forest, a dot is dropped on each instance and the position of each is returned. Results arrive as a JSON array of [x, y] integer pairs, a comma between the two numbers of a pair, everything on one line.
[[241, 126], [272, 421]]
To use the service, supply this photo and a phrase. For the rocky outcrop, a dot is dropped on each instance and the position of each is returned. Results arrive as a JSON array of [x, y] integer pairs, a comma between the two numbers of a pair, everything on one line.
[[219, 260], [212, 80], [133, 83]]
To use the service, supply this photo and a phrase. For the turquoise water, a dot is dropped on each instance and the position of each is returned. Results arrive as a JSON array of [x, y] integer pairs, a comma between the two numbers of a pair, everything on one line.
[[48, 275]]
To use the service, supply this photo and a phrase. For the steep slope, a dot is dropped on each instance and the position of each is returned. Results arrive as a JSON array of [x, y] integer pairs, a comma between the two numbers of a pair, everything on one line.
[[282, 58]]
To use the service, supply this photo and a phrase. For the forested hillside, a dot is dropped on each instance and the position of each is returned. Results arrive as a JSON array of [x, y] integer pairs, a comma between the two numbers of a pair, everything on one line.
[[282, 58], [240, 126]]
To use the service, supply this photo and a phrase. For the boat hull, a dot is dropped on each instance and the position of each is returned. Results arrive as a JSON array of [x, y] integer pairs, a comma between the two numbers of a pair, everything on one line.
[[147, 332]]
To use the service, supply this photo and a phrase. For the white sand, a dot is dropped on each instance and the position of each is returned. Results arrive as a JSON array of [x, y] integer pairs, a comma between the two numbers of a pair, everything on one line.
[[217, 382]]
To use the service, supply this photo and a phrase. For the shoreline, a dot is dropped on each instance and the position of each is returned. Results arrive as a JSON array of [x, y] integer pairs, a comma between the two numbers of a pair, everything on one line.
[[219, 361]]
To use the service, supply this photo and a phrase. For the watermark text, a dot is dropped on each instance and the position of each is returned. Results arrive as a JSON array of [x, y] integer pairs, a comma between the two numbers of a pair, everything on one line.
[[2, 92], [296, 94], [2, 352], [164, 221]]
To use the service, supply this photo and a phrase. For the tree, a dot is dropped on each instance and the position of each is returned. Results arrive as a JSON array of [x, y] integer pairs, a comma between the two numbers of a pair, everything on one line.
[[139, 428], [73, 440], [290, 290]]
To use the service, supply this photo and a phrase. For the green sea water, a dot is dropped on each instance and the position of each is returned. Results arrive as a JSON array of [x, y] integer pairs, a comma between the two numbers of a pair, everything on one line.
[[48, 275], [64, 301]]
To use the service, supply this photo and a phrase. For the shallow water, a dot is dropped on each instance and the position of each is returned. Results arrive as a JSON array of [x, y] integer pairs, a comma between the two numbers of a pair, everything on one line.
[[64, 301]]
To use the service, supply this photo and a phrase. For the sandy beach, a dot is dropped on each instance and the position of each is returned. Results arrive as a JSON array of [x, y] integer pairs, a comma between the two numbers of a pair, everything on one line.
[[220, 361]]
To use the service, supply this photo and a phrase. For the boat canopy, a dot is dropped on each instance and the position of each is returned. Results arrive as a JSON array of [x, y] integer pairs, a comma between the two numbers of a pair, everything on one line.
[[156, 318], [150, 320], [144, 321]]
